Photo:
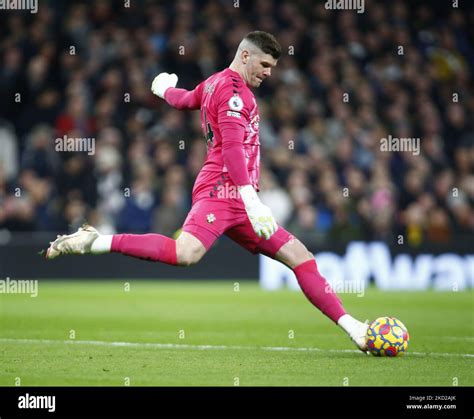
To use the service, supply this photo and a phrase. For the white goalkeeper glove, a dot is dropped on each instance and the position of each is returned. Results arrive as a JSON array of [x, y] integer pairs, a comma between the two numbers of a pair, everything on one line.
[[260, 215], [162, 82]]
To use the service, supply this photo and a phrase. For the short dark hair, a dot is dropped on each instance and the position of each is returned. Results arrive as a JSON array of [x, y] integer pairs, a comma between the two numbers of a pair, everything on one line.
[[266, 42]]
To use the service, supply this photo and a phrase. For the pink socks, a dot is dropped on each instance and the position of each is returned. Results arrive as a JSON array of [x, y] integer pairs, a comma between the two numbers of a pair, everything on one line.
[[154, 247], [318, 291]]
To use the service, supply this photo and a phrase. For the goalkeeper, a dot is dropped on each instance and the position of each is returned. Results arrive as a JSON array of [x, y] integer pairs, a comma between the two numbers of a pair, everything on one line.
[[229, 119]]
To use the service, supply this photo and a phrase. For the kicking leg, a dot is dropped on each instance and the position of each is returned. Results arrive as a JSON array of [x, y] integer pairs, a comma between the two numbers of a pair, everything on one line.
[[288, 250], [285, 248], [295, 255]]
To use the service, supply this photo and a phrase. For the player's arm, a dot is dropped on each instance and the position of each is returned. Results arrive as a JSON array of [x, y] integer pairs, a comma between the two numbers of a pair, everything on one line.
[[233, 155], [164, 86]]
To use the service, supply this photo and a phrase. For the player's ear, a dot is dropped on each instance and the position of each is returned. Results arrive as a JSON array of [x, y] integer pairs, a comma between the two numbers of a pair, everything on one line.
[[245, 56]]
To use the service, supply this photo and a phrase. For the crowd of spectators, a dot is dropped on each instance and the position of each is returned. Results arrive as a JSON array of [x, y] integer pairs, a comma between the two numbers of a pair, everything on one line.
[[345, 81]]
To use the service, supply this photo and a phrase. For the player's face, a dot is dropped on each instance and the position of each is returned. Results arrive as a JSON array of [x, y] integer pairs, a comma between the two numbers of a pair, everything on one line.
[[259, 67]]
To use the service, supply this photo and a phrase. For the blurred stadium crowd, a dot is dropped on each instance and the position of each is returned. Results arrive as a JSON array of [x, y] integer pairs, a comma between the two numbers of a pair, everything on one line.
[[84, 70]]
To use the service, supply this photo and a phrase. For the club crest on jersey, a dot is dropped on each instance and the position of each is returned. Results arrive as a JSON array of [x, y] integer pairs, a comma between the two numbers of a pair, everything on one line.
[[210, 218], [236, 103]]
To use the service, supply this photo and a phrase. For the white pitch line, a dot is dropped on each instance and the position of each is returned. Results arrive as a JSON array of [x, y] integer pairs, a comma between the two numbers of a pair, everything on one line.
[[212, 347]]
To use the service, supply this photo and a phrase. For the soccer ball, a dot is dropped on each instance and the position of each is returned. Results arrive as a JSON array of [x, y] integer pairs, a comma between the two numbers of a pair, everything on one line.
[[387, 336]]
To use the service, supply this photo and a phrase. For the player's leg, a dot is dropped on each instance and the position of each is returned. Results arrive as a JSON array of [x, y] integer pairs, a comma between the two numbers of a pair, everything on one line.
[[296, 256], [287, 249], [206, 221], [184, 251]]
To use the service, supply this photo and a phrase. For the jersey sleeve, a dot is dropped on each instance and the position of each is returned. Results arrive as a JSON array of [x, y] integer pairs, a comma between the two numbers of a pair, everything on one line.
[[184, 99], [233, 153]]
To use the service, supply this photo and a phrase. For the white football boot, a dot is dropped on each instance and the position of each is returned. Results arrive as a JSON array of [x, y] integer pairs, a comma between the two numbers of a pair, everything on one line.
[[359, 336], [77, 243]]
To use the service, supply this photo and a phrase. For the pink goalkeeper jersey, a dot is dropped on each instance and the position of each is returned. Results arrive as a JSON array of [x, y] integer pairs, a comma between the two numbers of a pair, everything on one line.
[[225, 101]]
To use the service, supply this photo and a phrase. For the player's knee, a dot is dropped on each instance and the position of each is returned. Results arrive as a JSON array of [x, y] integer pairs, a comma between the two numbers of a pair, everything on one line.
[[188, 256], [294, 253], [189, 250], [302, 254]]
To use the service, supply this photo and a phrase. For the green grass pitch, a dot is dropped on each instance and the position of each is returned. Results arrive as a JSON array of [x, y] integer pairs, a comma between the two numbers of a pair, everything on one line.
[[193, 333]]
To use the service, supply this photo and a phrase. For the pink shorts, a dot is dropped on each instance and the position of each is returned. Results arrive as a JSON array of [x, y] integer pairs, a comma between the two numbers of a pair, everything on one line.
[[210, 218]]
